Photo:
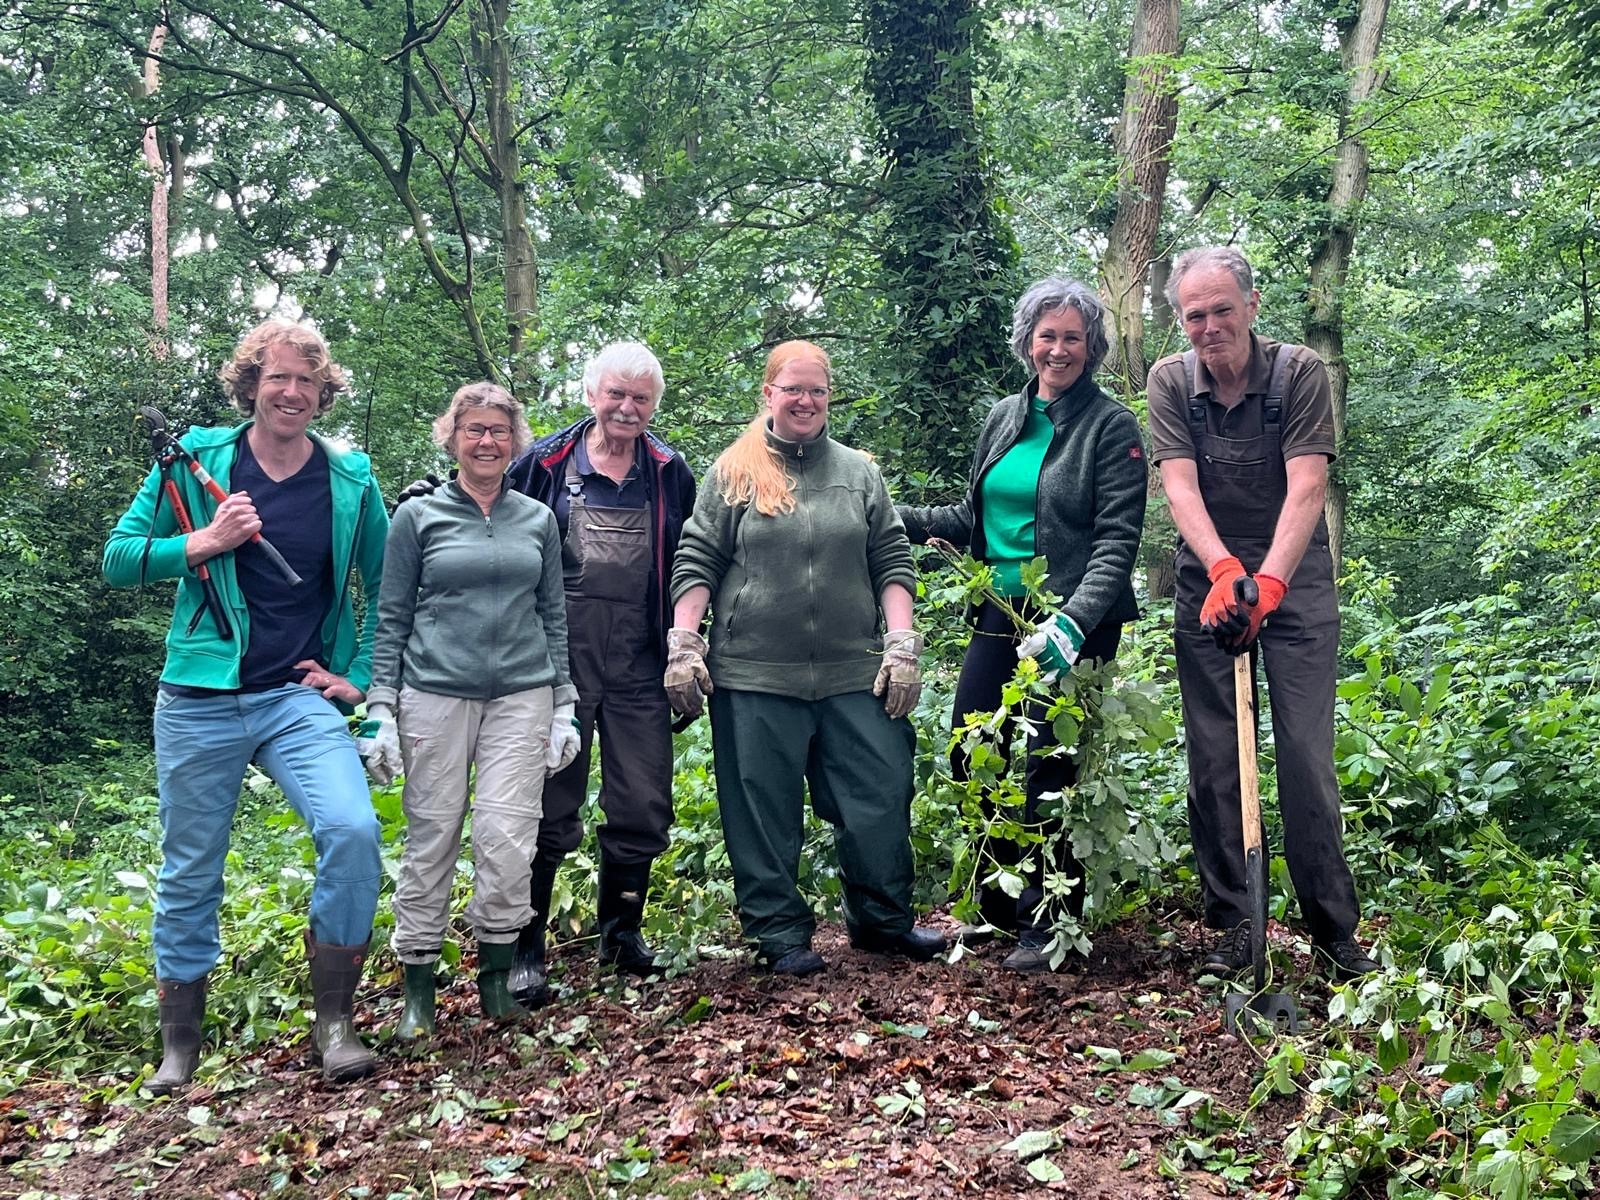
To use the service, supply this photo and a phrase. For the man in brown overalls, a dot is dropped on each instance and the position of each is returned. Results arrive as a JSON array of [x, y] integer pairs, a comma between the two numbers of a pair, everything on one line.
[[1243, 434]]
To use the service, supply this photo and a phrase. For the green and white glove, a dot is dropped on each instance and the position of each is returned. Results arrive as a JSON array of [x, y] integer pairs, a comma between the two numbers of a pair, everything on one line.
[[378, 743], [1055, 642], [565, 738]]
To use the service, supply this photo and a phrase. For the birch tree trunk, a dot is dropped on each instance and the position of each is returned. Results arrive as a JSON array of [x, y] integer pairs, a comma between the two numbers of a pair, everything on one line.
[[1360, 36], [159, 237]]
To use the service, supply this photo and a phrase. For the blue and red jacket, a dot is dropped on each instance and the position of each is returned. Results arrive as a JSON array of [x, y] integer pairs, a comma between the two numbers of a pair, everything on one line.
[[539, 473]]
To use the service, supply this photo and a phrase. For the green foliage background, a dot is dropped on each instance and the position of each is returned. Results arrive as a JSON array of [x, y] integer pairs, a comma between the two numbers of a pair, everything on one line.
[[713, 178]]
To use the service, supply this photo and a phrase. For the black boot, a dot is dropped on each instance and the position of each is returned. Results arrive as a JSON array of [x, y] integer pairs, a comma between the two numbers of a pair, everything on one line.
[[183, 1005], [619, 909], [335, 972], [998, 918], [528, 981]]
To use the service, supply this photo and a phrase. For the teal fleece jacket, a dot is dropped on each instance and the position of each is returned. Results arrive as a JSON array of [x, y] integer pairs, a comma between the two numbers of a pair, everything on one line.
[[137, 553], [472, 606], [794, 596]]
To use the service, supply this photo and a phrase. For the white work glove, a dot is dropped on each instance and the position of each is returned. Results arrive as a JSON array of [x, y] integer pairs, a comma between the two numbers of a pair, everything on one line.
[[687, 681], [1055, 642], [899, 679], [378, 743], [565, 739]]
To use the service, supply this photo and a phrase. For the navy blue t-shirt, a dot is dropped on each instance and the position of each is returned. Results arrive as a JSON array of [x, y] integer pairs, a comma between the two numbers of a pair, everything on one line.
[[296, 517]]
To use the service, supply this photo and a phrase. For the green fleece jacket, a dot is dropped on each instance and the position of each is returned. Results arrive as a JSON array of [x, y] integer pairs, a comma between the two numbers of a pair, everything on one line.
[[794, 596], [140, 551], [472, 605], [1090, 506]]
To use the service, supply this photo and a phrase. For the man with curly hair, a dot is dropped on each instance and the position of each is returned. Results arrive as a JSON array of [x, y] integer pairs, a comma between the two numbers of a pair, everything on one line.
[[263, 684]]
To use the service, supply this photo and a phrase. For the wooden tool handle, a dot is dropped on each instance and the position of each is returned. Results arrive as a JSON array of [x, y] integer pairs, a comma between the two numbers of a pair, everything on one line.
[[1244, 702]]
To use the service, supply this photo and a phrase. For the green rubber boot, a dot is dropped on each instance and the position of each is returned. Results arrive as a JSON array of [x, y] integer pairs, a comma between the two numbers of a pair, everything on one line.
[[494, 973], [416, 1021]]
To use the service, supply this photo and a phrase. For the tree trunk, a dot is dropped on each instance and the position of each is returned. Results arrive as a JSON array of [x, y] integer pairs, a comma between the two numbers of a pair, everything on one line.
[[491, 43], [946, 255], [1360, 36], [159, 238], [1144, 150]]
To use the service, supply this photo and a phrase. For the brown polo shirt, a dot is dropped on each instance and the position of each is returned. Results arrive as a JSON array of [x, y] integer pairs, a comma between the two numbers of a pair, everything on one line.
[[1307, 404]]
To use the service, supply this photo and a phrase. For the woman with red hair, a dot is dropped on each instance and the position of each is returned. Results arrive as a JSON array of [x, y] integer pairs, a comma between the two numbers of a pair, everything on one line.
[[797, 549]]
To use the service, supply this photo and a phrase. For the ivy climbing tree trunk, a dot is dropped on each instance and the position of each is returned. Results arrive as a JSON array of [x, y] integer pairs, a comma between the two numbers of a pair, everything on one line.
[[947, 258], [1144, 156], [1360, 36]]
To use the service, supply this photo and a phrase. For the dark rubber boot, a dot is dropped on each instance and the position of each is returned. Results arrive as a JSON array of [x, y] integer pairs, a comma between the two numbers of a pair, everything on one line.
[[529, 981], [494, 970], [417, 1019], [335, 972], [620, 909], [183, 1005]]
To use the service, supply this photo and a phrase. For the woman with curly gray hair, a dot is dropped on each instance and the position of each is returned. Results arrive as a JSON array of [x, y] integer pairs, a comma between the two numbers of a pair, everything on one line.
[[470, 668], [1059, 473]]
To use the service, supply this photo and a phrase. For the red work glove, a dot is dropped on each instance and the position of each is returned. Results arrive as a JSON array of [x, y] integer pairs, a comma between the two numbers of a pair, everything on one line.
[[1273, 591], [1220, 602]]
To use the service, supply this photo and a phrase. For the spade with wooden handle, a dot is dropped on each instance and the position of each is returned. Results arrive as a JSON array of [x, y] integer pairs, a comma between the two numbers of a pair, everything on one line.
[[1274, 1008]]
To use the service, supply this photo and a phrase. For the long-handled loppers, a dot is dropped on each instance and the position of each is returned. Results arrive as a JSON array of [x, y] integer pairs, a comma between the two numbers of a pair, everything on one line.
[[1275, 1008], [169, 450]]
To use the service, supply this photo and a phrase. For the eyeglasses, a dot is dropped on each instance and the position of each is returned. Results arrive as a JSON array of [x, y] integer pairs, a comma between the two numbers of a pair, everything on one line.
[[617, 396], [500, 433], [790, 392]]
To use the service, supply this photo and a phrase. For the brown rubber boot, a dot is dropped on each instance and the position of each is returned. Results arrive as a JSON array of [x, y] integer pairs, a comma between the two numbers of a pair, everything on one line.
[[183, 1006], [335, 972]]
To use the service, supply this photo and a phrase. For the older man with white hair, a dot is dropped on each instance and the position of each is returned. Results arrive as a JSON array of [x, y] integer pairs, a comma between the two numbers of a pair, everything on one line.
[[621, 496]]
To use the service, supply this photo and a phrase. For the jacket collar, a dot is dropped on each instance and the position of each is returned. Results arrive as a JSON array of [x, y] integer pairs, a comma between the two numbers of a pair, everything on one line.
[[344, 459], [798, 451], [1063, 408], [552, 450]]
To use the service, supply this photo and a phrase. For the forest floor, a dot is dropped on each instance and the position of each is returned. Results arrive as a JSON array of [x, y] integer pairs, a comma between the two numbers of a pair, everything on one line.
[[877, 1078]]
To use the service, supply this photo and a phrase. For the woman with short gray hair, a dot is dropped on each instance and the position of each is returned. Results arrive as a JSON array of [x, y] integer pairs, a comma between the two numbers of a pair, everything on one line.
[[469, 669], [1059, 473]]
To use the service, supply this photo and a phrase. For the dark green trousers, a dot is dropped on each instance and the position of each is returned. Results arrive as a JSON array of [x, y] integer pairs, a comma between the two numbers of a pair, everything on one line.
[[857, 762]]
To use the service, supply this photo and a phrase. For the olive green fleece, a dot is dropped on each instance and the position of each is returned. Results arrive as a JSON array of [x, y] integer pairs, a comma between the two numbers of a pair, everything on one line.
[[794, 596], [139, 552]]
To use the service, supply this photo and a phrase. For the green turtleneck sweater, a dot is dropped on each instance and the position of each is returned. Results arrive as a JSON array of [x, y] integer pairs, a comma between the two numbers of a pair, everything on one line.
[[1011, 500]]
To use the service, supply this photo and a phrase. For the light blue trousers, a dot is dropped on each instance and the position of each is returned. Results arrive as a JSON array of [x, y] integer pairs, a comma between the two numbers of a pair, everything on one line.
[[203, 745]]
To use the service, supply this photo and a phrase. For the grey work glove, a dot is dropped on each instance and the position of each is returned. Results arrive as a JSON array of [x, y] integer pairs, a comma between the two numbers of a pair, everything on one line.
[[565, 739], [687, 681], [899, 679], [379, 745]]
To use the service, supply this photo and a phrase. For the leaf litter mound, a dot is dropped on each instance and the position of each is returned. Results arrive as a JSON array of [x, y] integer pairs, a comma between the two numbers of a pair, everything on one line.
[[877, 1078]]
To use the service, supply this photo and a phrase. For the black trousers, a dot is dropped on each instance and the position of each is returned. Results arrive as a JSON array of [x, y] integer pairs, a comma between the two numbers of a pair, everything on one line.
[[617, 668], [1299, 647], [990, 662]]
